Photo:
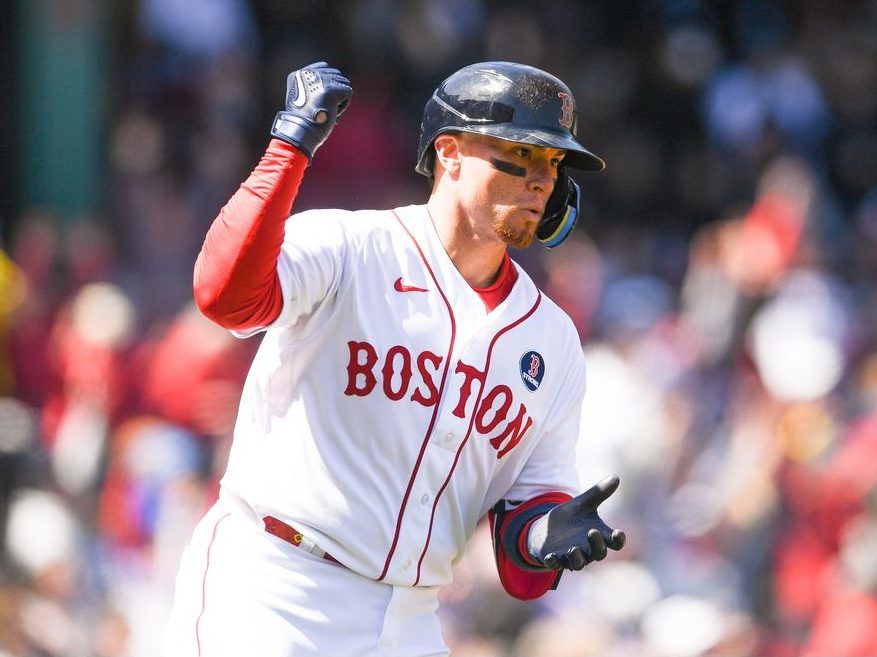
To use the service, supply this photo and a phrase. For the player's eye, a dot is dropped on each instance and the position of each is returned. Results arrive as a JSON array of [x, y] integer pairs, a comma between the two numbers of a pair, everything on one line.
[[555, 162], [523, 152]]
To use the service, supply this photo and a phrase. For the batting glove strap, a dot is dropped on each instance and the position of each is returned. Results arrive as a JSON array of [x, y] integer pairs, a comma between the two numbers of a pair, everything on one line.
[[298, 131], [512, 527]]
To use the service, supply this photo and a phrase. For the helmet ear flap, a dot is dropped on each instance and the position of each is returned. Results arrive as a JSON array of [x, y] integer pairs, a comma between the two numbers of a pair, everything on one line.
[[561, 211]]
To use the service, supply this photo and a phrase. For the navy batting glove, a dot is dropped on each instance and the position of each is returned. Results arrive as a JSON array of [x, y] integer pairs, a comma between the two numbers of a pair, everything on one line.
[[572, 535], [316, 96]]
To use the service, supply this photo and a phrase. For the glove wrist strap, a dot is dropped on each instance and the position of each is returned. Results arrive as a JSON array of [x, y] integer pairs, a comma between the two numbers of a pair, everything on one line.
[[517, 532], [298, 131]]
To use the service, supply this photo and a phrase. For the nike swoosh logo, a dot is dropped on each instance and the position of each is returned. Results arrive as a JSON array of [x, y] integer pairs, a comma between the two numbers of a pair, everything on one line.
[[399, 286], [299, 91]]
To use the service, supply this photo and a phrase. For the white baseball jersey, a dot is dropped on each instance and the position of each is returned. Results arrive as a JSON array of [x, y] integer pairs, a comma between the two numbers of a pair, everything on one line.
[[387, 410]]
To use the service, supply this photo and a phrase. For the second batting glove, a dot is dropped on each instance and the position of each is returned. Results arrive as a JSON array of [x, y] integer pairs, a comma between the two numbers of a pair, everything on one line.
[[316, 95], [572, 535]]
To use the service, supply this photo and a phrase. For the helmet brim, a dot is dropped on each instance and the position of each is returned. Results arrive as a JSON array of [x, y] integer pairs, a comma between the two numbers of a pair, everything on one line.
[[577, 156]]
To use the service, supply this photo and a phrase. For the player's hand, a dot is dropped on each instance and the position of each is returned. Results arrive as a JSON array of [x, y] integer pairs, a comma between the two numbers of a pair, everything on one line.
[[572, 535], [316, 95]]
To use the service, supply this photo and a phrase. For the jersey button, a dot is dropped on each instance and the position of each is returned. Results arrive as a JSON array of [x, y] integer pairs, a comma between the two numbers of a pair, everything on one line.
[[406, 564], [424, 499], [448, 438]]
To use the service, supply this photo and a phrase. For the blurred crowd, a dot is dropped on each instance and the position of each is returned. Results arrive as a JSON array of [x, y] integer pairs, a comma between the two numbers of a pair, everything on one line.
[[721, 278]]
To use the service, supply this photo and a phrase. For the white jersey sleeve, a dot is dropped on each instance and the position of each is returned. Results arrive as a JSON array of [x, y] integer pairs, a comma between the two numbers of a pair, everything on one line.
[[311, 266], [551, 466]]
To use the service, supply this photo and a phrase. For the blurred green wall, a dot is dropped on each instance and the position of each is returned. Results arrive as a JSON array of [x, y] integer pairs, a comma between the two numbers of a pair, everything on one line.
[[9, 187], [64, 60]]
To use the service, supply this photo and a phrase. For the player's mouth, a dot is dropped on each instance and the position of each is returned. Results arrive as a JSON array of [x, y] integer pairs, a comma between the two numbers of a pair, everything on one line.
[[534, 206]]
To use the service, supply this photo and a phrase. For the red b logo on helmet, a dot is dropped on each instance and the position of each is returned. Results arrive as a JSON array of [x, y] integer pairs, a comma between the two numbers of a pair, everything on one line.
[[566, 117]]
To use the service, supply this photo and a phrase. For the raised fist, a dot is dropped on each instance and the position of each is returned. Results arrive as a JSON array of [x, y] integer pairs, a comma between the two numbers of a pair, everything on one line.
[[316, 95]]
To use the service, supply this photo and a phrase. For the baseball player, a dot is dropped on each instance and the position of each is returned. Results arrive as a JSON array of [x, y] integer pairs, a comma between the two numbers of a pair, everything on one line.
[[411, 380]]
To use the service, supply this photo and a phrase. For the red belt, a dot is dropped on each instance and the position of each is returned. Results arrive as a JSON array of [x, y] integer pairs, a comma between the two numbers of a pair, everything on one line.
[[294, 537]]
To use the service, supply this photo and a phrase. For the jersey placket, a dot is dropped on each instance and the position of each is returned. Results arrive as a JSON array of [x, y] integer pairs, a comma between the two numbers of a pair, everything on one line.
[[475, 332], [478, 350], [413, 517], [441, 451]]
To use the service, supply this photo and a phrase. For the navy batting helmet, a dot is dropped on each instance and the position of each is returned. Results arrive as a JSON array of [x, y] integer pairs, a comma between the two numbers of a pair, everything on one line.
[[510, 101], [521, 104]]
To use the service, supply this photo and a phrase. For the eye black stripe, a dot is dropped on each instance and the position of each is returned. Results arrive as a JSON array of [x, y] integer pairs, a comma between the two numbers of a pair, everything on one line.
[[508, 167]]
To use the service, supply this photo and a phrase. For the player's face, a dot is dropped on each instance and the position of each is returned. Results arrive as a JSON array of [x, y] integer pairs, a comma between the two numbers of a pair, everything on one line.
[[507, 185]]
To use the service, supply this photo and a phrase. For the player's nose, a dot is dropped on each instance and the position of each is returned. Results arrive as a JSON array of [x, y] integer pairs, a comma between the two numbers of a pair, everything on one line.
[[542, 177]]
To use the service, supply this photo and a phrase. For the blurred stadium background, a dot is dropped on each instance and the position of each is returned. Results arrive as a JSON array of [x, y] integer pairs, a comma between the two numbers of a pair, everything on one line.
[[722, 280]]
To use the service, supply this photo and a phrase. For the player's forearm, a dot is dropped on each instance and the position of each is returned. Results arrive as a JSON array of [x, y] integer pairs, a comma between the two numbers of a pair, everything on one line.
[[235, 281]]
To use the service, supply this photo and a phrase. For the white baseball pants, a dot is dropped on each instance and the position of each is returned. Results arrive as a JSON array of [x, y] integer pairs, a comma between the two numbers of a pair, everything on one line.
[[242, 591]]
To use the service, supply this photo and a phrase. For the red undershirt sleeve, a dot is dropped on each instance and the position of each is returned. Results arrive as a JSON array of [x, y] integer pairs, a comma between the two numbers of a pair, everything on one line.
[[235, 281]]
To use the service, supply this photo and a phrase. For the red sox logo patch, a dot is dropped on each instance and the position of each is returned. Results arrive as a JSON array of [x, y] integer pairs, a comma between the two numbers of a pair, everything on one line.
[[566, 109], [532, 370]]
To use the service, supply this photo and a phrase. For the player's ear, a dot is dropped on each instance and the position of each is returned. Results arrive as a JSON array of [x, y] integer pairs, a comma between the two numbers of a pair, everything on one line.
[[447, 154]]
